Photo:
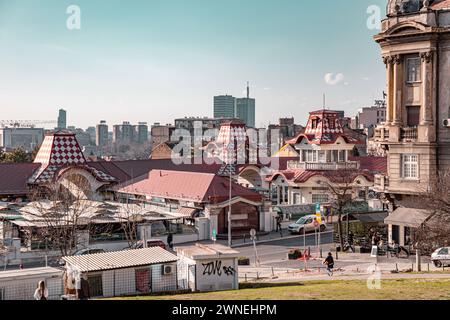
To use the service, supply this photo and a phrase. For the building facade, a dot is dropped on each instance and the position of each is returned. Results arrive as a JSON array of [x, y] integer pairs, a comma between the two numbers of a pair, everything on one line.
[[26, 138], [415, 46], [325, 157], [224, 106]]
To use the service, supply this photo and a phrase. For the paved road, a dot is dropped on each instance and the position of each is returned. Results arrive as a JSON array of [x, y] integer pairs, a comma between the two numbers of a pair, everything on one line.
[[276, 251]]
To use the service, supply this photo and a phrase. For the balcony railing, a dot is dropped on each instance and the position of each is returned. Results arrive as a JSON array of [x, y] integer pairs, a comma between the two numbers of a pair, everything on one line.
[[381, 134], [409, 133], [328, 166]]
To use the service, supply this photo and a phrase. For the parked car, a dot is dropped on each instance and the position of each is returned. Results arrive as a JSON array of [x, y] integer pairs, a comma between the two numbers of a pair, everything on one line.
[[306, 224], [83, 252], [441, 257], [150, 243]]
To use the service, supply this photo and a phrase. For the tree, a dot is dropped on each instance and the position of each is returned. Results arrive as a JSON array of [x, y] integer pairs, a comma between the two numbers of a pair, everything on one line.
[[435, 231], [18, 155], [341, 189], [130, 216], [2, 155], [63, 216]]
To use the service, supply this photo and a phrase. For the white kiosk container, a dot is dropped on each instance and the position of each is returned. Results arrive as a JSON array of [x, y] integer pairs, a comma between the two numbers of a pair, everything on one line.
[[21, 284], [212, 267]]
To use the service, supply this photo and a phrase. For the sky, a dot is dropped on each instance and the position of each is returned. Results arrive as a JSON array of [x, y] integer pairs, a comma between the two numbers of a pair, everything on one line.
[[157, 60]]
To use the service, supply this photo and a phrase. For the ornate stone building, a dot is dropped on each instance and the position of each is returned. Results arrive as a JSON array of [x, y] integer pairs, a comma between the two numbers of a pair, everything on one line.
[[415, 46]]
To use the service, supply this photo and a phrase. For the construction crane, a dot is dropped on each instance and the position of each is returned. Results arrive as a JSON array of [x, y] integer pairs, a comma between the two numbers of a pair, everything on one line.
[[24, 123]]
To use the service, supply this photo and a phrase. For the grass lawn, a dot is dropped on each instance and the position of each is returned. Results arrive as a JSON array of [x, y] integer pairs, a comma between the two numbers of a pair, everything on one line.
[[402, 289]]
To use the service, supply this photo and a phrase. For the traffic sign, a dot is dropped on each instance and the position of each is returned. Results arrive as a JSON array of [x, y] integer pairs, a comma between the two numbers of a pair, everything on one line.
[[253, 234]]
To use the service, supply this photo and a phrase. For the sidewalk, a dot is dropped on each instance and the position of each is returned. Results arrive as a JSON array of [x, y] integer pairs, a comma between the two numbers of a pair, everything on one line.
[[355, 267]]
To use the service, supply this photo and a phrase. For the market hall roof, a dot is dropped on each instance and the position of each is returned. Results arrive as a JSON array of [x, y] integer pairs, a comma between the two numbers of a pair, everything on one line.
[[190, 186], [59, 151]]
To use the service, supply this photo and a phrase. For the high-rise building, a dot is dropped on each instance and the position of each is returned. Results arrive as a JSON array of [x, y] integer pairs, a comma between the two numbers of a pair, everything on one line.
[[142, 132], [245, 109], [62, 119], [102, 134], [91, 132], [224, 106], [123, 133]]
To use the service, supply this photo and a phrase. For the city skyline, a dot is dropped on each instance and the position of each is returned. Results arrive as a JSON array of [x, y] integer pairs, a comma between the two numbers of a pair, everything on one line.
[[156, 62]]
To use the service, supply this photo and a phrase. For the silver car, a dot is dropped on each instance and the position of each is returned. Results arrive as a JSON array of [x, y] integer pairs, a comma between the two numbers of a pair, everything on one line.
[[441, 257]]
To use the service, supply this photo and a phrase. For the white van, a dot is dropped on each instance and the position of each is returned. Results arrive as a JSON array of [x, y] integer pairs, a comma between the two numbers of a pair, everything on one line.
[[307, 224]]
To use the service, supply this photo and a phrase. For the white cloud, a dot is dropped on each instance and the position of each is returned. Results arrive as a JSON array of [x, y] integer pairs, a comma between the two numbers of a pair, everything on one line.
[[366, 78], [334, 79]]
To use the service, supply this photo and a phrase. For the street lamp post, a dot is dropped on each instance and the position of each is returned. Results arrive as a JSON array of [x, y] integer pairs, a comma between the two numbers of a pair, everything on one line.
[[229, 214]]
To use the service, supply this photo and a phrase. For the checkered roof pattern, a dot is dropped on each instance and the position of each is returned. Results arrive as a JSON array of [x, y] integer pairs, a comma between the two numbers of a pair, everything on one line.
[[58, 151]]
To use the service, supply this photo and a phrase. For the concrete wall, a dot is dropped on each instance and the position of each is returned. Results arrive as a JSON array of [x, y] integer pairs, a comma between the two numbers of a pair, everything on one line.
[[23, 288], [122, 282], [217, 274]]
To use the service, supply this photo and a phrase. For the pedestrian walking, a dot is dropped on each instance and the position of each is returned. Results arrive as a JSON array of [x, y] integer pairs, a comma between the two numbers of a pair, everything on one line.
[[41, 292], [170, 240], [278, 220], [329, 262], [279, 228]]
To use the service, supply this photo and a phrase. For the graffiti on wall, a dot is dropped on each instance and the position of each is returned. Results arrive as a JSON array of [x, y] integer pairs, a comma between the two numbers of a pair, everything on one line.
[[216, 268]]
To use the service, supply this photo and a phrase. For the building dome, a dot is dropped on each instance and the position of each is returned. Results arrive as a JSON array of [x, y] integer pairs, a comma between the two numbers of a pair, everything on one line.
[[407, 6]]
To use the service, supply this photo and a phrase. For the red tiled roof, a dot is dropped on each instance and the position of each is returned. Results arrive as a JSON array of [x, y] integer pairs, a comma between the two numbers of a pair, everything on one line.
[[372, 164], [127, 170], [188, 186], [14, 178], [441, 5], [302, 176]]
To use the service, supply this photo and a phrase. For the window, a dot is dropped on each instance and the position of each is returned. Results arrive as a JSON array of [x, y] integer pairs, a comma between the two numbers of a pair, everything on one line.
[[342, 156], [320, 198], [314, 123], [413, 69], [309, 156], [410, 166], [413, 116], [443, 251]]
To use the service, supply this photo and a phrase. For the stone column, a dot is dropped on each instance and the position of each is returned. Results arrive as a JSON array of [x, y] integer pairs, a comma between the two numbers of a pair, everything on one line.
[[427, 88], [397, 90], [388, 61]]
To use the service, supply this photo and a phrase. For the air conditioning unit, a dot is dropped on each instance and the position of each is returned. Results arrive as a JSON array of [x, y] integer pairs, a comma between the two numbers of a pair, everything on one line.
[[167, 269], [446, 123]]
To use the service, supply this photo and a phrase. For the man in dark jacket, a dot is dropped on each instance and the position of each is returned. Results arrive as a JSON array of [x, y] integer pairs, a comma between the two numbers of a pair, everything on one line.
[[84, 292], [329, 262]]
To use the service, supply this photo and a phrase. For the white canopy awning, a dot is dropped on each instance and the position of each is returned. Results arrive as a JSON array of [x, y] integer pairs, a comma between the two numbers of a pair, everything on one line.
[[408, 217]]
